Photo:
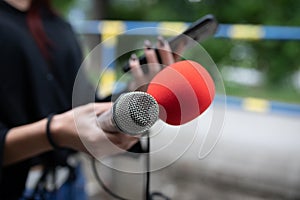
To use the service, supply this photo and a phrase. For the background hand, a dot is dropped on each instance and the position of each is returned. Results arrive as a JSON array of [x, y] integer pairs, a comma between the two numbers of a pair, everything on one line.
[[142, 79], [78, 129]]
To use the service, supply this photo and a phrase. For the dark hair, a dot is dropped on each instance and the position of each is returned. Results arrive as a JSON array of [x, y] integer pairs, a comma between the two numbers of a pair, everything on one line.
[[36, 28]]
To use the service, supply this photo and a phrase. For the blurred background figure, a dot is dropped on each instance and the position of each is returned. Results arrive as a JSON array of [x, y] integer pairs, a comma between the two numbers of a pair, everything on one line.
[[39, 61]]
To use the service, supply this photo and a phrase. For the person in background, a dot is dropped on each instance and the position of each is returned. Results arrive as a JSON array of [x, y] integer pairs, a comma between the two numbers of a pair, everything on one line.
[[40, 57]]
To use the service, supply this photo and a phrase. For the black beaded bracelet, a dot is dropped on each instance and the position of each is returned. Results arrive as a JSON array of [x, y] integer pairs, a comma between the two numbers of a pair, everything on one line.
[[48, 132]]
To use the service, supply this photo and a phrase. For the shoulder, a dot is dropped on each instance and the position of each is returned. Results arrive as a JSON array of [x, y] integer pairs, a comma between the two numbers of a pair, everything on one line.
[[9, 27], [6, 23], [13, 40], [10, 35]]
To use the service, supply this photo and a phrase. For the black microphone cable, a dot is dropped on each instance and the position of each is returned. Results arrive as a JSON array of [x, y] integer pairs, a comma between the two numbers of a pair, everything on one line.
[[148, 194], [101, 183], [151, 195]]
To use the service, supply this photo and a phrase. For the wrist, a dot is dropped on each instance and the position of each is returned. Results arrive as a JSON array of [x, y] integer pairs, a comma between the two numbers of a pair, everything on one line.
[[49, 135], [56, 132], [63, 132]]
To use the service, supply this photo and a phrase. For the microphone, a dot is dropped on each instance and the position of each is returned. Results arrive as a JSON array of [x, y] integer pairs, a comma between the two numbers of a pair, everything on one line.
[[183, 90], [133, 113]]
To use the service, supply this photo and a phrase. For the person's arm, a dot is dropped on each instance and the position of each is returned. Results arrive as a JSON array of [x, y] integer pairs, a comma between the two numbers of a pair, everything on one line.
[[25, 141], [76, 129]]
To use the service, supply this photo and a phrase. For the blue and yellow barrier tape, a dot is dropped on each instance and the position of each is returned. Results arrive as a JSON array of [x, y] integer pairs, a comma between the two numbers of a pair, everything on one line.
[[233, 31], [257, 105]]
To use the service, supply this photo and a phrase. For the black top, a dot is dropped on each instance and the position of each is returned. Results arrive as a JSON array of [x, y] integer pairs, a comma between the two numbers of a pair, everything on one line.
[[31, 88]]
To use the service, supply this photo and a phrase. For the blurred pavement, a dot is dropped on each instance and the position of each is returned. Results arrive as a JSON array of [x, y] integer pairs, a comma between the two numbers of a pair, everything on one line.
[[257, 157]]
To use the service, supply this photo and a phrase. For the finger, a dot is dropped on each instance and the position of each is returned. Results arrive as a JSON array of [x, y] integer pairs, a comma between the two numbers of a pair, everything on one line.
[[122, 140], [151, 57], [165, 51], [179, 50], [100, 108], [136, 69]]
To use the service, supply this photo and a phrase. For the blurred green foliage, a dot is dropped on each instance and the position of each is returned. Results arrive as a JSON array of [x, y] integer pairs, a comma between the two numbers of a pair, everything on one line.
[[276, 12], [63, 6], [277, 60]]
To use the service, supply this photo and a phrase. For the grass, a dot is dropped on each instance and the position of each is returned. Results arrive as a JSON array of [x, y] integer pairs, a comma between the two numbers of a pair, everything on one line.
[[282, 94]]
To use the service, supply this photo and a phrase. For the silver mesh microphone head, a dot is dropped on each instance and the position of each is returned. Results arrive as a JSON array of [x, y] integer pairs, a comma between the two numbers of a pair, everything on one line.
[[135, 112]]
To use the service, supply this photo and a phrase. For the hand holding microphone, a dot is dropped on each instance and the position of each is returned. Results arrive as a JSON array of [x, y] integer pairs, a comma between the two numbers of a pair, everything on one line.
[[142, 79], [178, 94], [133, 113], [183, 89], [181, 92]]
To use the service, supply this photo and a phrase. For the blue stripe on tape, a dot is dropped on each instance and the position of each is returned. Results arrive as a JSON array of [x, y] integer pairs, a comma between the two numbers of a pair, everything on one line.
[[140, 24], [270, 32], [274, 106], [291, 109], [87, 27], [283, 33]]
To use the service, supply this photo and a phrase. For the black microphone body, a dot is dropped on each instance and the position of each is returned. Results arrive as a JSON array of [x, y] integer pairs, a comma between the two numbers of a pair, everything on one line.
[[132, 113]]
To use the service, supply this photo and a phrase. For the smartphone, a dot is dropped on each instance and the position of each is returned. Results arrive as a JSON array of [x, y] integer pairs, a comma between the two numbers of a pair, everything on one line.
[[197, 31]]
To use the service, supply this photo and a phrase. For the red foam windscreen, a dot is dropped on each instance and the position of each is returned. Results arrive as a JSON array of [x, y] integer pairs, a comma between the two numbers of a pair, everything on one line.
[[183, 91]]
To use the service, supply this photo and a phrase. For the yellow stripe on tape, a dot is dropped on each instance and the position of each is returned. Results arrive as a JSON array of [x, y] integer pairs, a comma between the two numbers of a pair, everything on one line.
[[107, 82], [110, 29], [256, 105], [246, 32], [171, 28]]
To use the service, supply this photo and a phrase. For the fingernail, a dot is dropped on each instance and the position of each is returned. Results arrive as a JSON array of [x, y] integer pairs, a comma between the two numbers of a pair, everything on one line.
[[148, 44], [133, 56], [161, 41]]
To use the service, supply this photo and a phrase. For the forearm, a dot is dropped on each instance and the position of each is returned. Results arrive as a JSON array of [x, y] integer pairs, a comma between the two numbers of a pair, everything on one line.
[[26, 141], [76, 129]]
